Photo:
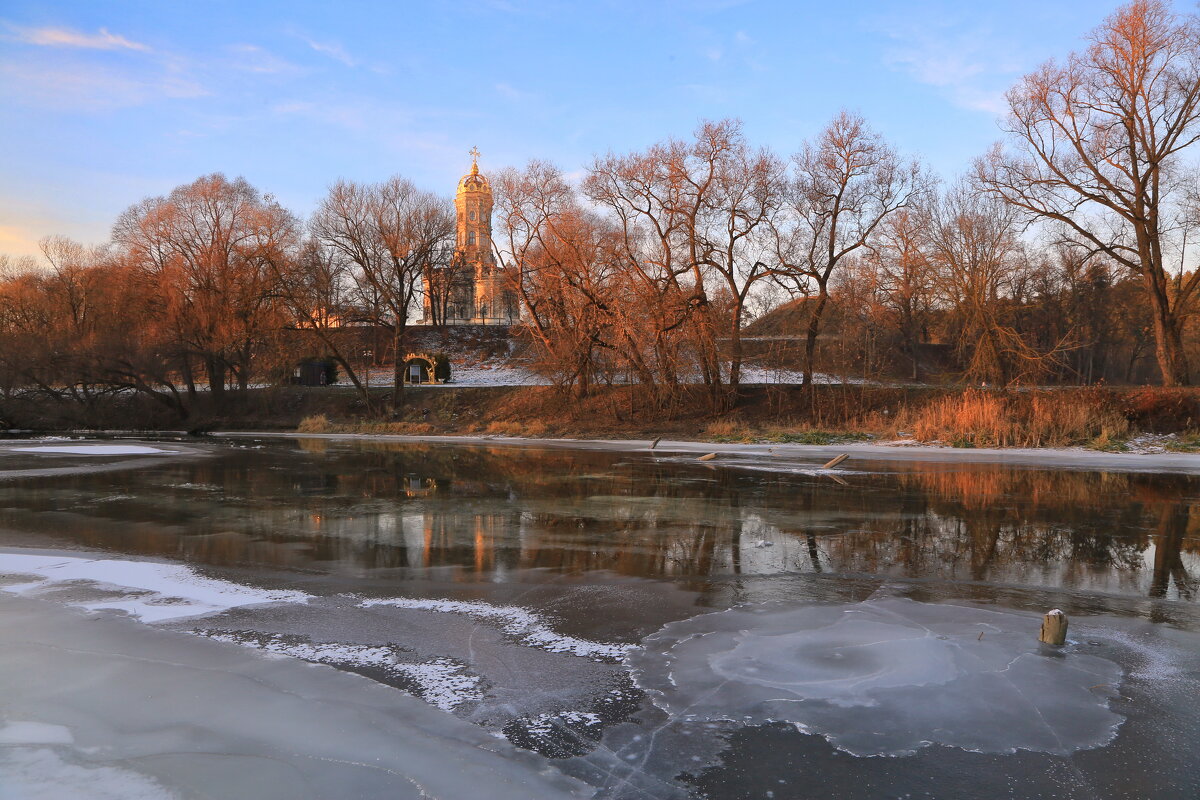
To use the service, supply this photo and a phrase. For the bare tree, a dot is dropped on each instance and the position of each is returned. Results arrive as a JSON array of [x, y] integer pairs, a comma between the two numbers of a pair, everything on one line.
[[692, 216], [979, 269], [646, 201], [208, 246], [392, 234], [847, 182], [904, 280], [315, 288], [740, 190], [1097, 146], [14, 266]]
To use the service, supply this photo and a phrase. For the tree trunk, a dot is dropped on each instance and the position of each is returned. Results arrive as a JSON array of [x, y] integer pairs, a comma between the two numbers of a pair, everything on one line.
[[735, 348], [1168, 344], [189, 377], [216, 379], [810, 343], [398, 370]]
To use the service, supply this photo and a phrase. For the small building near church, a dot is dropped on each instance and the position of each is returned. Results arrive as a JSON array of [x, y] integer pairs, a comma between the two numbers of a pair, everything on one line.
[[315, 372], [425, 368]]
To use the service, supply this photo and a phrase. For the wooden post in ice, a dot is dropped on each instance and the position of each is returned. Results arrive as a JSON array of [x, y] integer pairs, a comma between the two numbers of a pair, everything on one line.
[[1054, 627]]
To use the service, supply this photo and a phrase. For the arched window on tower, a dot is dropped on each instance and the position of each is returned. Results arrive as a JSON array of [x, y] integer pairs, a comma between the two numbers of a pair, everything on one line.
[[471, 237]]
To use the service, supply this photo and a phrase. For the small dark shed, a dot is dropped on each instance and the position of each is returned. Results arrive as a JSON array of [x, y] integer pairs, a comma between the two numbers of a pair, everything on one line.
[[315, 372]]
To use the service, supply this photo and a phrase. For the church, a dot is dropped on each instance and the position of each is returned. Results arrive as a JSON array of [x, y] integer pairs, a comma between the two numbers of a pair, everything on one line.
[[473, 289]]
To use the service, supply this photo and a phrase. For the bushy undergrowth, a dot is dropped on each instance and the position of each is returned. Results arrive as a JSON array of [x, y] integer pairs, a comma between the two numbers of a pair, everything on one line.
[[314, 423], [979, 418]]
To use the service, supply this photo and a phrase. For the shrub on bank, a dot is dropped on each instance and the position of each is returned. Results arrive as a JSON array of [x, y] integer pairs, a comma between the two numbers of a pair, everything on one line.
[[981, 418], [314, 423]]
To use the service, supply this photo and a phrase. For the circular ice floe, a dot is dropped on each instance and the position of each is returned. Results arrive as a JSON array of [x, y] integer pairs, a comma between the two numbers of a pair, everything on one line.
[[883, 677]]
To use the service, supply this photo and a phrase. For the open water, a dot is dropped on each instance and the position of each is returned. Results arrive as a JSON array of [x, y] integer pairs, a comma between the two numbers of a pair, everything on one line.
[[588, 621]]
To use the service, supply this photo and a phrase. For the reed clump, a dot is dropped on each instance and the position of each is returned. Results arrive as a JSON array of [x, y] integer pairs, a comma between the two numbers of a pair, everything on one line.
[[314, 423], [726, 430], [981, 418]]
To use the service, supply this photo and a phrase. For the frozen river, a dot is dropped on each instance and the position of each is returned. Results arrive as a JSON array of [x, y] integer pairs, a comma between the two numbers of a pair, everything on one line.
[[322, 618]]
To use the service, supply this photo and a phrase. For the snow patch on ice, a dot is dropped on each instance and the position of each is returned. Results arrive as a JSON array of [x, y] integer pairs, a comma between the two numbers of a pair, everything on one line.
[[154, 592], [27, 732], [92, 449], [42, 774], [515, 621], [441, 682]]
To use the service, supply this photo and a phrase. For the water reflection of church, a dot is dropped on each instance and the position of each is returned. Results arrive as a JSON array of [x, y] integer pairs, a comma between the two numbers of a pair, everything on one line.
[[473, 289]]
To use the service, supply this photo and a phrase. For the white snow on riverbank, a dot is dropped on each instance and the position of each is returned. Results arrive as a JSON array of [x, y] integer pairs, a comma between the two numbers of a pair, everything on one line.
[[515, 374], [515, 621], [152, 592]]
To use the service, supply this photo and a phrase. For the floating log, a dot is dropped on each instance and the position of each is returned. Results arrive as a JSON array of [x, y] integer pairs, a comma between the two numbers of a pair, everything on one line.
[[834, 462], [1054, 628], [654, 444], [708, 457]]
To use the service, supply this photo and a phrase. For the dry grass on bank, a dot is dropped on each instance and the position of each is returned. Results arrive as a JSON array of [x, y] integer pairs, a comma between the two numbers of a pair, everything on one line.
[[1097, 417], [1033, 419]]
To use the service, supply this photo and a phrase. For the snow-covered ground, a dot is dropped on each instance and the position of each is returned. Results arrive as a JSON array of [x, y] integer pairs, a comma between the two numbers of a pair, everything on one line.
[[509, 373], [499, 374]]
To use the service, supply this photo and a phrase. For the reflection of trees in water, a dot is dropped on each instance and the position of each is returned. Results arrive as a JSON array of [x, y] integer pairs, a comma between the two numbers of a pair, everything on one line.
[[480, 510], [1176, 525]]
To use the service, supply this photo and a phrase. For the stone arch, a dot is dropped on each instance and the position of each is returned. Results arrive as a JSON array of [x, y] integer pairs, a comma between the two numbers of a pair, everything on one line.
[[425, 368]]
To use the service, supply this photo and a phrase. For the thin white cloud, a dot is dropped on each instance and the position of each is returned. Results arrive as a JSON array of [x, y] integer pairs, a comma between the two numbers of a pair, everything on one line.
[[971, 67], [511, 92], [65, 37], [333, 50], [15, 240], [252, 58], [65, 87]]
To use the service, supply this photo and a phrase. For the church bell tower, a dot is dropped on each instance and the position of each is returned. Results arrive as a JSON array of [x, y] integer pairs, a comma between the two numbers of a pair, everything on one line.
[[473, 202], [477, 292]]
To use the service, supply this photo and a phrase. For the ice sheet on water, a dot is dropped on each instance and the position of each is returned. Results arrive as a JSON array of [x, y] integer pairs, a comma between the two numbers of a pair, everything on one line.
[[42, 774], [153, 592], [522, 623], [883, 677], [91, 449], [152, 713]]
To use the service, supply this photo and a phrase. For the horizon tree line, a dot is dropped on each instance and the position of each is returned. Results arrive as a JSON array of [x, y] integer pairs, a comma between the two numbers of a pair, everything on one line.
[[1065, 248]]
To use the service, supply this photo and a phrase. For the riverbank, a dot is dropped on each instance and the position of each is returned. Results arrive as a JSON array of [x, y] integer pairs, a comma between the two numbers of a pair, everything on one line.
[[1101, 418]]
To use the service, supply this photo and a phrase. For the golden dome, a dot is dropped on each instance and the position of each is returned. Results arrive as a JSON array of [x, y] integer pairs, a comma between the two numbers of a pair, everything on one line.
[[473, 181]]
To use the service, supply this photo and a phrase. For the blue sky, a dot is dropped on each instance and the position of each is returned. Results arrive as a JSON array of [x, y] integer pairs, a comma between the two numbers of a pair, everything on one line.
[[109, 102]]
